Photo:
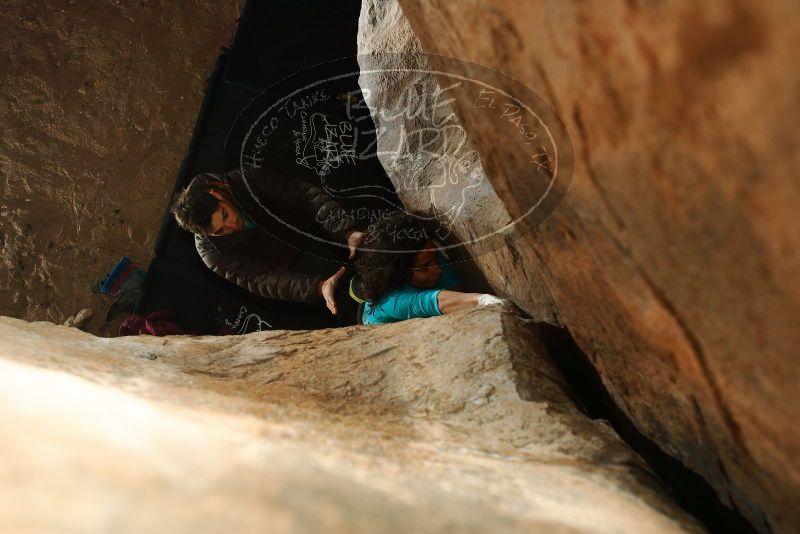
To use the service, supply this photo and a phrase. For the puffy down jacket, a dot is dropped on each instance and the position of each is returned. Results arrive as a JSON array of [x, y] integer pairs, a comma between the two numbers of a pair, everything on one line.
[[286, 211]]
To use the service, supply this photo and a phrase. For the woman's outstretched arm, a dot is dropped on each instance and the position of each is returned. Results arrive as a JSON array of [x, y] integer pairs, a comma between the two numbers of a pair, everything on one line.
[[453, 301]]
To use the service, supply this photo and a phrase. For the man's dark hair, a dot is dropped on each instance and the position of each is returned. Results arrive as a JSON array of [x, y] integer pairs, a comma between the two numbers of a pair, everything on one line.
[[193, 206], [392, 245]]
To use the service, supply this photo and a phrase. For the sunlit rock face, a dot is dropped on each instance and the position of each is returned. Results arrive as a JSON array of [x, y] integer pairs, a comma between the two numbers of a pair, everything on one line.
[[674, 259], [454, 424], [427, 153]]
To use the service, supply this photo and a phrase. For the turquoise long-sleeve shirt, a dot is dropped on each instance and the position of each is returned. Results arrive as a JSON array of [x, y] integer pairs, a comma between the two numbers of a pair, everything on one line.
[[409, 302]]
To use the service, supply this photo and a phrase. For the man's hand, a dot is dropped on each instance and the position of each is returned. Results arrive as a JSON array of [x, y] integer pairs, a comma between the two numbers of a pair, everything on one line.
[[353, 241], [328, 287]]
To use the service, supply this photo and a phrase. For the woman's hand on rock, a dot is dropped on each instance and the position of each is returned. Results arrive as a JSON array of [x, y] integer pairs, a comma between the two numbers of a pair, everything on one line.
[[490, 300]]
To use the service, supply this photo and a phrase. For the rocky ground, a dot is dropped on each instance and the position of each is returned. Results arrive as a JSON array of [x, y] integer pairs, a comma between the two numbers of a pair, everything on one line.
[[98, 103], [469, 428]]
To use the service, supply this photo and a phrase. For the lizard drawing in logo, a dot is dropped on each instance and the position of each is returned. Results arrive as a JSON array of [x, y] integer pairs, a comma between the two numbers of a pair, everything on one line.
[[246, 323], [327, 145], [323, 146]]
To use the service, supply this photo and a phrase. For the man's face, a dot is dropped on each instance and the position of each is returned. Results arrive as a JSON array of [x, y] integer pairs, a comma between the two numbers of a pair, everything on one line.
[[225, 219], [427, 269]]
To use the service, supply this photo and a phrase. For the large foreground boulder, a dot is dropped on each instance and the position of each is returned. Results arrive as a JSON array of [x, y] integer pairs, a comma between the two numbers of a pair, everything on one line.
[[458, 423], [674, 259]]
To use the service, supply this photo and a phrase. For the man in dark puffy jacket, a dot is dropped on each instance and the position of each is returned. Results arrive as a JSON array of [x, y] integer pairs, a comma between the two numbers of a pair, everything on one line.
[[260, 229]]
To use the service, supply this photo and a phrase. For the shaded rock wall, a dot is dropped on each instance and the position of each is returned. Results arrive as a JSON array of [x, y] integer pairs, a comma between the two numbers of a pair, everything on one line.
[[674, 259], [468, 428], [98, 103]]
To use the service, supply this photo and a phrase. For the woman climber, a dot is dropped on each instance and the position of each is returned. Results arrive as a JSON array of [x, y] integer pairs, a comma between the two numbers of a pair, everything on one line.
[[402, 274]]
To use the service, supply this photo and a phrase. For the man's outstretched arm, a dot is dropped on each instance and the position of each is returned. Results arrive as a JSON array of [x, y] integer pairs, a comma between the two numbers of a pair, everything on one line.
[[257, 278]]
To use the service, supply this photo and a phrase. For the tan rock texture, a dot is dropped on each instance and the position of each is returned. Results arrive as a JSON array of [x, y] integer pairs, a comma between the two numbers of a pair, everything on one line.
[[98, 102], [386, 47], [423, 146], [469, 428], [674, 259]]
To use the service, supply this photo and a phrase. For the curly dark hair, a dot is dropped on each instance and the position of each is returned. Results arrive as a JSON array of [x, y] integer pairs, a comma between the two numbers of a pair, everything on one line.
[[391, 246], [193, 205]]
